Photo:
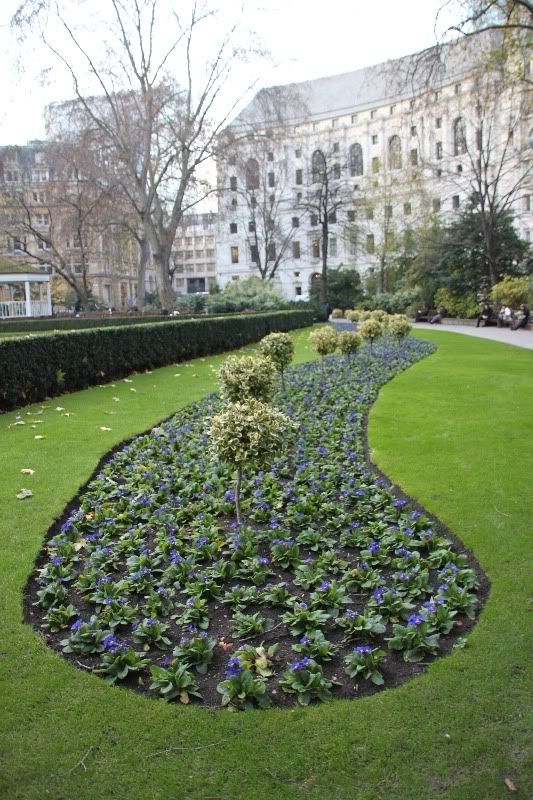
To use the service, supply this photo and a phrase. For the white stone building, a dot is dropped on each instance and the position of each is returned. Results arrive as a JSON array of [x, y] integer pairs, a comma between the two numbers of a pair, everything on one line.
[[399, 142], [195, 253]]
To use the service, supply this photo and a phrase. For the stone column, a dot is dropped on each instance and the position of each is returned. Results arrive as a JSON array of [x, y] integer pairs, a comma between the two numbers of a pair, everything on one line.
[[27, 297], [48, 299]]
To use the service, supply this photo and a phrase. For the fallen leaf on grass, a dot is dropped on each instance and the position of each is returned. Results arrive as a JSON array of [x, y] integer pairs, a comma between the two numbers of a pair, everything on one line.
[[116, 399], [103, 428], [510, 785], [132, 390], [27, 471], [39, 437], [59, 408], [24, 493], [177, 374], [67, 414], [127, 380], [20, 422]]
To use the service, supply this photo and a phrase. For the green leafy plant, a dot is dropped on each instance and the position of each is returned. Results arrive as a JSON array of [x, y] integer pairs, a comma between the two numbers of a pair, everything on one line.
[[242, 690], [279, 348], [59, 617], [324, 341], [248, 624], [151, 632], [416, 639], [247, 377], [196, 651], [174, 683], [302, 619], [316, 646], [364, 661], [355, 625], [305, 679], [118, 661], [370, 330], [85, 637], [349, 342]]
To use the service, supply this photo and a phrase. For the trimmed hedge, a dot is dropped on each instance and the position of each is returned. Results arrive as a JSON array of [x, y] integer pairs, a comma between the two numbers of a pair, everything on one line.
[[35, 368], [74, 323]]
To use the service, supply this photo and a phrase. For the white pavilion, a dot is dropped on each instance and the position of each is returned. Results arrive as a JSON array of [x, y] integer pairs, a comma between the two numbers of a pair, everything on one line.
[[24, 290]]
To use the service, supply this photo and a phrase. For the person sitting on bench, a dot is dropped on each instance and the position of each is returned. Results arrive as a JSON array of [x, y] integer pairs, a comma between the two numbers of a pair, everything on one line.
[[522, 318], [486, 316]]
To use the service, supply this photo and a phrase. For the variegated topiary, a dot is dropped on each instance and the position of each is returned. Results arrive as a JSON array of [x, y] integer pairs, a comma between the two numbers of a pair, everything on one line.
[[349, 342], [399, 325], [370, 329], [279, 348], [337, 313], [324, 341], [247, 377]]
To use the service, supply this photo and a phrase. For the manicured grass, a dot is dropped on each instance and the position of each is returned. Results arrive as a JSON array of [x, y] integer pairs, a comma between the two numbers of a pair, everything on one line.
[[454, 431]]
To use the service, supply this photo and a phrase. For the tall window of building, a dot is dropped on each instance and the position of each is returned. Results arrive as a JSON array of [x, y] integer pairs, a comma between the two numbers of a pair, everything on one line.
[[336, 171], [271, 251], [392, 109], [271, 179], [232, 161], [318, 166], [388, 212], [233, 183], [270, 156], [373, 114], [459, 136], [438, 149], [438, 122], [527, 202], [413, 130], [370, 243], [298, 291], [369, 212], [374, 138], [375, 164], [233, 227], [254, 253], [251, 226], [315, 248], [299, 177], [296, 222], [436, 204], [407, 208], [296, 249], [356, 160], [456, 202], [414, 157], [298, 153], [252, 174], [234, 255], [332, 217], [395, 152], [314, 220], [234, 203], [333, 246], [457, 88], [350, 216], [354, 118], [336, 147]]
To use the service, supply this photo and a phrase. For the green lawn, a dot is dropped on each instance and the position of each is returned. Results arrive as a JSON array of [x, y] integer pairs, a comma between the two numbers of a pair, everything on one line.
[[455, 432]]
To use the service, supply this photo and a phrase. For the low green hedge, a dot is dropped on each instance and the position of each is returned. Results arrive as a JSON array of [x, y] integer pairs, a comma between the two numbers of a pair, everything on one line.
[[34, 368], [74, 323]]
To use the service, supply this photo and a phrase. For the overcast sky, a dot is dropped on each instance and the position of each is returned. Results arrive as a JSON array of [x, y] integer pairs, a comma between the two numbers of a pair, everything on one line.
[[306, 40]]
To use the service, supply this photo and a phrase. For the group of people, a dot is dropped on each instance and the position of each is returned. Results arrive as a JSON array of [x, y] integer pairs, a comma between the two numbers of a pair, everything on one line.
[[505, 318]]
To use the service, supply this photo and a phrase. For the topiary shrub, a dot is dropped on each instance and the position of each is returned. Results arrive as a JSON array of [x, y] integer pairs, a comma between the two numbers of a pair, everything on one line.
[[248, 435], [246, 378], [349, 342], [324, 341], [279, 348], [337, 313], [399, 326], [353, 316], [371, 329], [512, 291]]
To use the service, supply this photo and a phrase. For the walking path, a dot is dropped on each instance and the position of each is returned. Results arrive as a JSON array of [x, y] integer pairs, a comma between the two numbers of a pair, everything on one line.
[[518, 338]]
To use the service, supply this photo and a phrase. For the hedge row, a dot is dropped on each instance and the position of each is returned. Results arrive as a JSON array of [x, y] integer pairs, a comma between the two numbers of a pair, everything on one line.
[[74, 323], [43, 366]]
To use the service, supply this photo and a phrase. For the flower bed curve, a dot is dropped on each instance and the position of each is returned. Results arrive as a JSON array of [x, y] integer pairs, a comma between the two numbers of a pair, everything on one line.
[[334, 585]]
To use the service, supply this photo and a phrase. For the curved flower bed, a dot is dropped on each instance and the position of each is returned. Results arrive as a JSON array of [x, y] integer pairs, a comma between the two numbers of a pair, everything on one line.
[[333, 586]]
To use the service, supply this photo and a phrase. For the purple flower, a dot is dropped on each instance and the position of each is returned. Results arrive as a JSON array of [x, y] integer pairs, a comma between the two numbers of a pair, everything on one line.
[[234, 668], [363, 649], [57, 560], [399, 503], [76, 625], [297, 666], [324, 586], [414, 620], [378, 593], [67, 526], [374, 547]]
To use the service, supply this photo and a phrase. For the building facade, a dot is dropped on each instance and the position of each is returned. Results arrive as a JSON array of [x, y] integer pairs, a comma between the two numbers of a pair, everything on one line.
[[195, 254], [377, 152]]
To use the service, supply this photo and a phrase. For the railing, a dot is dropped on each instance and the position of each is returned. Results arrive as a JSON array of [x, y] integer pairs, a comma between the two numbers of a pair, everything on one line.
[[17, 308]]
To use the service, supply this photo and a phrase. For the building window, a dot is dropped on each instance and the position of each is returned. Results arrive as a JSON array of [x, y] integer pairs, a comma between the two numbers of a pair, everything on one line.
[[351, 216], [336, 172], [438, 173], [414, 157], [252, 174], [459, 168], [438, 150], [234, 277], [335, 147], [254, 253], [296, 222], [232, 161], [271, 179], [297, 274], [479, 139], [233, 227], [436, 205], [413, 130], [388, 212], [251, 226], [455, 202], [392, 109], [315, 248], [332, 217], [299, 177], [354, 118], [271, 199], [356, 160], [407, 208], [369, 212], [395, 152], [411, 104], [234, 255], [233, 183], [457, 88], [333, 246], [298, 153], [298, 291], [459, 137], [296, 250], [333, 123], [373, 114], [314, 220], [375, 164], [527, 202], [375, 138], [438, 122], [436, 97], [298, 197], [370, 243], [271, 251], [234, 202], [270, 156], [318, 166]]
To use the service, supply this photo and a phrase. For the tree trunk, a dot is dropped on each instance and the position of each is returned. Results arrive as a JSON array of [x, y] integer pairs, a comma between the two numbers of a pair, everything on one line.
[[324, 276], [144, 252], [167, 295]]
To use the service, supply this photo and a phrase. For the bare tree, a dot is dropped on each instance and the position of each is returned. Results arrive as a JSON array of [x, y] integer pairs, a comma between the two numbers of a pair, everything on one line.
[[476, 16], [159, 131]]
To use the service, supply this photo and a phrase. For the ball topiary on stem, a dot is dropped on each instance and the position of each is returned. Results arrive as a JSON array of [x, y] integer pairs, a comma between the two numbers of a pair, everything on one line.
[[324, 341], [247, 377], [279, 348], [371, 329], [349, 343], [399, 326], [248, 435]]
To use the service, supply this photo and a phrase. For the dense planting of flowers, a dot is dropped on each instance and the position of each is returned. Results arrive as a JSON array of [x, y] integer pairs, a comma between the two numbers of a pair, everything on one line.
[[329, 584]]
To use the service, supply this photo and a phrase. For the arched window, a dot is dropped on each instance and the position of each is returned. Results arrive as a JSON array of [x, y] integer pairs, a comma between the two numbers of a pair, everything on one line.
[[459, 136], [356, 160], [252, 174], [318, 166], [395, 153]]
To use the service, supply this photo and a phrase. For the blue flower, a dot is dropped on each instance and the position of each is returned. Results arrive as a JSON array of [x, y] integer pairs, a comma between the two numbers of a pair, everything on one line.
[[363, 649], [414, 619], [297, 666], [57, 560], [234, 668], [76, 625]]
